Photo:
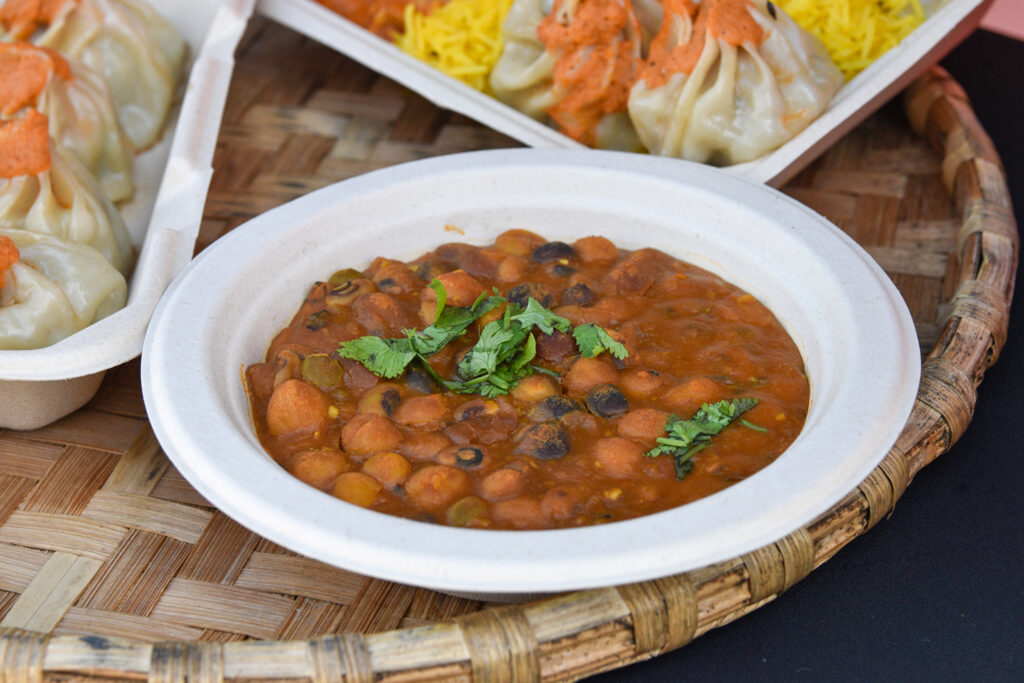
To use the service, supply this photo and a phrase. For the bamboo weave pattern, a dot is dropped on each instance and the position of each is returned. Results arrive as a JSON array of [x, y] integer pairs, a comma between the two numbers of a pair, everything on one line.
[[112, 566]]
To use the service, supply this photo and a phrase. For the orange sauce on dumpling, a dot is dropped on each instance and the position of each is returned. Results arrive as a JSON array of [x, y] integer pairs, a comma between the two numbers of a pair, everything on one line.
[[595, 67], [27, 69], [9, 255], [22, 17], [24, 145], [727, 20]]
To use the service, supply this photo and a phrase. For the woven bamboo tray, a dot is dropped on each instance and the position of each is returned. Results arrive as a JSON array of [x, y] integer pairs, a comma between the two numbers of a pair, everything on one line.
[[112, 566]]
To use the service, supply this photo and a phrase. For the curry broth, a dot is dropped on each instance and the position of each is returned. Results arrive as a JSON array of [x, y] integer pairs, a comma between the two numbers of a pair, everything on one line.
[[565, 447]]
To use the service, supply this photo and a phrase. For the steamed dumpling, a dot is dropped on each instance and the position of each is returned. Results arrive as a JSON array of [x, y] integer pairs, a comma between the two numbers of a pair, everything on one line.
[[77, 104], [46, 192], [50, 289], [570, 64], [727, 81], [137, 52]]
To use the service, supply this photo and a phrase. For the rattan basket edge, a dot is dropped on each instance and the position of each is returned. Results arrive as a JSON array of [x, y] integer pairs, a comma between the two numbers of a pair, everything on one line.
[[575, 635]]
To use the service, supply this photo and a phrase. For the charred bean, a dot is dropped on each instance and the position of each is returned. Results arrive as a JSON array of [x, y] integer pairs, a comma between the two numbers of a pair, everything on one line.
[[520, 295], [606, 400], [553, 251], [578, 294], [553, 408], [545, 441]]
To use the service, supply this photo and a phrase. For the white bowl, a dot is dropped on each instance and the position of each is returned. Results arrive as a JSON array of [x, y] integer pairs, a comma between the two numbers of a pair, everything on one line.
[[850, 323]]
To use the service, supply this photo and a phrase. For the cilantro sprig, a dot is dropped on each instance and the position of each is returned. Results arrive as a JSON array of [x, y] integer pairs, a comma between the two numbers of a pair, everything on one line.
[[501, 356], [687, 437]]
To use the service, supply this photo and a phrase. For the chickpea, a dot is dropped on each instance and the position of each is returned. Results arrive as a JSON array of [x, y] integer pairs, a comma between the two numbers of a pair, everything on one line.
[[435, 487], [512, 268], [461, 288], [560, 503], [382, 314], [356, 488], [502, 484], [587, 373], [423, 447], [640, 383], [370, 434], [519, 513], [619, 457], [685, 398], [534, 388], [296, 406], [594, 249], [423, 411], [643, 425], [389, 468], [319, 468], [518, 242]]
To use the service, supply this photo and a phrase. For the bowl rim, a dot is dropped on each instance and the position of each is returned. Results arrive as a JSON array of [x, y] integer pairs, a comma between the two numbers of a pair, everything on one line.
[[194, 426]]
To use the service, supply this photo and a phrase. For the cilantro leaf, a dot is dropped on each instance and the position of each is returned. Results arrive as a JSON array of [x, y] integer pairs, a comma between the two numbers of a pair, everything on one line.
[[385, 357], [593, 340], [687, 437], [536, 315]]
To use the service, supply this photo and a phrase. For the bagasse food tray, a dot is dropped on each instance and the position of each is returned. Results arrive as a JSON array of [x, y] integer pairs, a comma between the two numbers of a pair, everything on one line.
[[111, 565], [39, 386], [947, 23]]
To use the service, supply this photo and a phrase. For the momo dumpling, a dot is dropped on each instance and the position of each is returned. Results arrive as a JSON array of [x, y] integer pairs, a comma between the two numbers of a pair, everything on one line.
[[570, 65], [138, 53], [726, 81], [51, 288], [46, 192], [77, 104]]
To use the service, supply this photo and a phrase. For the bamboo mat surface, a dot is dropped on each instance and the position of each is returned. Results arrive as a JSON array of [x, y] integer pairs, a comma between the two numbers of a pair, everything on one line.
[[101, 537]]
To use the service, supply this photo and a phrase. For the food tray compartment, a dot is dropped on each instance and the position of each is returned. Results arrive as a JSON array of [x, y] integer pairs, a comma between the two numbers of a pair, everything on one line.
[[948, 23], [41, 385]]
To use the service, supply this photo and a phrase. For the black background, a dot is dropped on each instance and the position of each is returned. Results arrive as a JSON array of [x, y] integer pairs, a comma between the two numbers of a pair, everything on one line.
[[935, 592]]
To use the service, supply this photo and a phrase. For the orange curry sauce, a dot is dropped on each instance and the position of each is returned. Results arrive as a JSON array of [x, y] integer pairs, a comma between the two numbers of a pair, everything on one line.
[[22, 18], [560, 450], [26, 70]]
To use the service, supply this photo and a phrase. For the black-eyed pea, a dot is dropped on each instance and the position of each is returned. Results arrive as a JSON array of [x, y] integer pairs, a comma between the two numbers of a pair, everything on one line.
[[382, 399], [389, 468], [466, 457], [357, 488]]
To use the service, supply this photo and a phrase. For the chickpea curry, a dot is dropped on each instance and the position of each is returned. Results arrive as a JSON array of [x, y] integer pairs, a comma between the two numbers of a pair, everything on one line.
[[528, 384]]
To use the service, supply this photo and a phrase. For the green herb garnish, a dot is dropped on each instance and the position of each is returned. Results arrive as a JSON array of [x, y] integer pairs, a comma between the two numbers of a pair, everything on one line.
[[687, 437], [593, 340], [501, 356]]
